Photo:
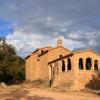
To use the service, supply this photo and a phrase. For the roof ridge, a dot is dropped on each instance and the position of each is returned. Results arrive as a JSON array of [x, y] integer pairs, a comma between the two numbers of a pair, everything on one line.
[[81, 50], [61, 47], [85, 50]]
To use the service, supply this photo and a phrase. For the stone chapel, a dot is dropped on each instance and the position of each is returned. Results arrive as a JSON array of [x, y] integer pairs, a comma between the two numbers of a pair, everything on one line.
[[61, 67]]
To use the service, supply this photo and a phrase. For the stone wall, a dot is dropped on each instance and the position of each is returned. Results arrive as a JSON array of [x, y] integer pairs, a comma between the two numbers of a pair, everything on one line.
[[67, 79], [43, 68], [56, 52], [83, 78], [32, 69]]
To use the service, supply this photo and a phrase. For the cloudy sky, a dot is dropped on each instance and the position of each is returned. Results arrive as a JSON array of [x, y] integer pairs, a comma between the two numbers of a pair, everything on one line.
[[29, 24]]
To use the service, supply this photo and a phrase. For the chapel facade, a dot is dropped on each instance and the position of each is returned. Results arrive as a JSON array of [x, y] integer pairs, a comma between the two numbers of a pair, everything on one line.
[[61, 67]]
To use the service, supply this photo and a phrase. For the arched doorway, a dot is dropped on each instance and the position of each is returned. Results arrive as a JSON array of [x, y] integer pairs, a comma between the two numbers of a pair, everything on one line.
[[69, 64], [88, 64], [63, 65], [96, 65], [80, 63]]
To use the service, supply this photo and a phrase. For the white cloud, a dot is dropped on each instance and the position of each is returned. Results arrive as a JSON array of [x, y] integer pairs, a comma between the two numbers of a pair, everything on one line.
[[25, 43], [75, 35], [71, 44]]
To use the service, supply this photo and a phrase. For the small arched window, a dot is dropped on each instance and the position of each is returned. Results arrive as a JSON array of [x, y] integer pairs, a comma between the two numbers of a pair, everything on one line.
[[96, 65], [88, 63], [69, 64], [60, 55], [80, 63], [63, 65]]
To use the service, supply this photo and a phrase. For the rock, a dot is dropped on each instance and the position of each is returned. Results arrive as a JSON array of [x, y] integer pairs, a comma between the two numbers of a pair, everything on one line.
[[3, 85]]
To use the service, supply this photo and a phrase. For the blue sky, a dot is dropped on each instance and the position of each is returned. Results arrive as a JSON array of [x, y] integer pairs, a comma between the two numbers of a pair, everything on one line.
[[29, 24], [5, 28]]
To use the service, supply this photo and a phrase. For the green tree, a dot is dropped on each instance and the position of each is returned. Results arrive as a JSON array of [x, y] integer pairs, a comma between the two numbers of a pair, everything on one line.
[[11, 65]]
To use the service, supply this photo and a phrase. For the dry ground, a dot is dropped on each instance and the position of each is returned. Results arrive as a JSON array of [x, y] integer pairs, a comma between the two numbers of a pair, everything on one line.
[[29, 92]]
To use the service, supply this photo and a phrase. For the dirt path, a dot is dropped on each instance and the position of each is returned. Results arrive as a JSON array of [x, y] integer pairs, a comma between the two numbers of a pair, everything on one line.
[[44, 94], [53, 95]]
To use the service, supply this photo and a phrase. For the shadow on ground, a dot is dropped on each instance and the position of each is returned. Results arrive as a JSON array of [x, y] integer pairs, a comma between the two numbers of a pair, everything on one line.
[[24, 94]]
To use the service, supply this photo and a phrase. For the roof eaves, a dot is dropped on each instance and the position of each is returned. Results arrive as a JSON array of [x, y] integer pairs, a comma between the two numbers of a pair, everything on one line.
[[27, 57], [43, 53]]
